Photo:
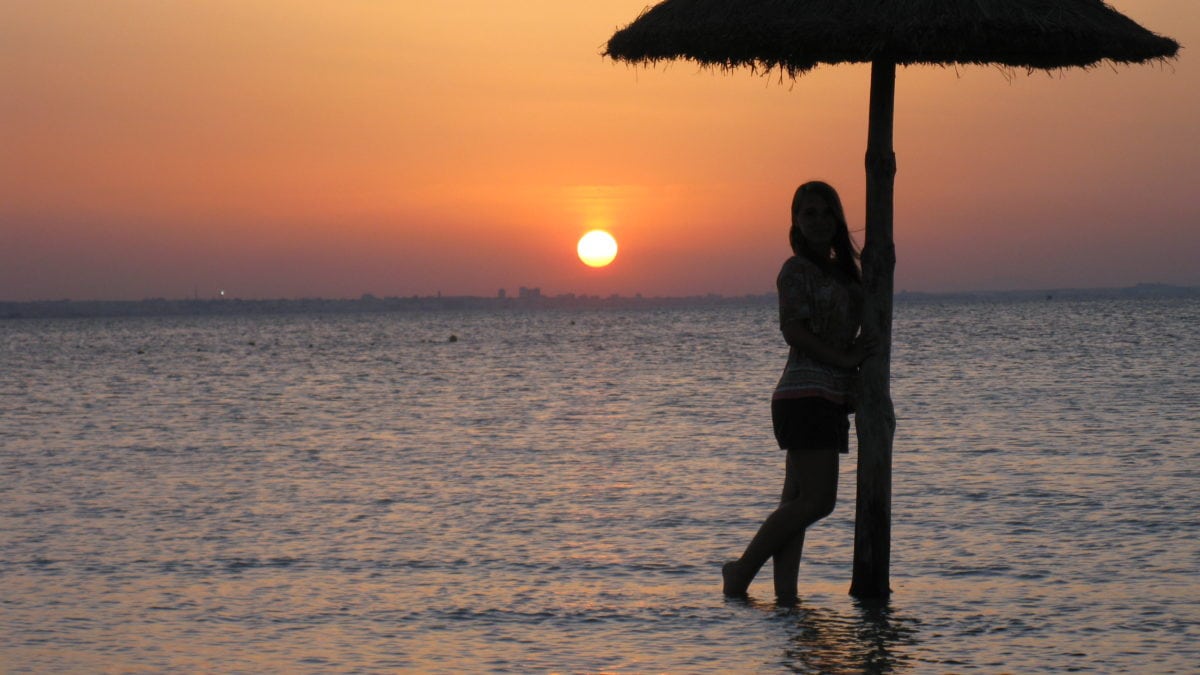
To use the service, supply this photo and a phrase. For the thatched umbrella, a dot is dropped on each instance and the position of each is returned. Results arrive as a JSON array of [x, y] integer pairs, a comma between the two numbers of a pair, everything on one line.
[[797, 35]]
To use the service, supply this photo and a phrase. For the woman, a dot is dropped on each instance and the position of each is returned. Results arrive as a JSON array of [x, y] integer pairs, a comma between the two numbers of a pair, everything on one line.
[[820, 303]]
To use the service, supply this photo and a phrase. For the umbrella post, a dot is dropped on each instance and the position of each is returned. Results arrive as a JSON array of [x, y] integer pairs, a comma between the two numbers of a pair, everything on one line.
[[875, 421]]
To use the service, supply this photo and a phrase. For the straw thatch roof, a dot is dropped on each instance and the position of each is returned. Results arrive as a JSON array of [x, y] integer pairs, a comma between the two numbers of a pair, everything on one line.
[[797, 35]]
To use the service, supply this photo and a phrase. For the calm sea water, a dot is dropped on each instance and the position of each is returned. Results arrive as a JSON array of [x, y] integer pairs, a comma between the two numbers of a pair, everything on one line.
[[556, 490]]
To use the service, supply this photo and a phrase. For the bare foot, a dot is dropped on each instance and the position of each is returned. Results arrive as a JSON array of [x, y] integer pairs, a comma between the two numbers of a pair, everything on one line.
[[735, 582]]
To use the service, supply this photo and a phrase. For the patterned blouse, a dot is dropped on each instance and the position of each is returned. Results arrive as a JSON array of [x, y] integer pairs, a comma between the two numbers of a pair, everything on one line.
[[830, 310]]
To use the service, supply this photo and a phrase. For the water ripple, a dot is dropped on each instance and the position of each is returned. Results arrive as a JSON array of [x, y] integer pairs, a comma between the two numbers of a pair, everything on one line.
[[556, 492]]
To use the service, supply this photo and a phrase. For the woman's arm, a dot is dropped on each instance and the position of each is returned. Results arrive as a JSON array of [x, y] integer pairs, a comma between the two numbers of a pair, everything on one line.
[[803, 339]]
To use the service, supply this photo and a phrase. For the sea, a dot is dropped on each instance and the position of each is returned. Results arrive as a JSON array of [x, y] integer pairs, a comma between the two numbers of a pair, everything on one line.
[[555, 490]]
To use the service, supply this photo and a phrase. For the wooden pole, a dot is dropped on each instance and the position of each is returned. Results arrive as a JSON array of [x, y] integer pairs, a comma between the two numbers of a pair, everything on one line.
[[875, 420]]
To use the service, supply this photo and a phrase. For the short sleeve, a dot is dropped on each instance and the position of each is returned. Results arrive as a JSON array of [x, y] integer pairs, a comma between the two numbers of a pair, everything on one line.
[[795, 291]]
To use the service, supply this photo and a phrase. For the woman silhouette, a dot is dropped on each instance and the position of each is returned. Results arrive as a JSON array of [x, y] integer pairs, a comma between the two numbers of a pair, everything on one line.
[[820, 303]]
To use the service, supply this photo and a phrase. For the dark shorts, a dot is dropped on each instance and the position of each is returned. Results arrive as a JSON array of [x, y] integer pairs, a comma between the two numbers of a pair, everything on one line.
[[810, 424]]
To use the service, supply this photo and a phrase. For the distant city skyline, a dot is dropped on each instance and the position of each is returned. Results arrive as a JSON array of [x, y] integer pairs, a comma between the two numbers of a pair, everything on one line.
[[525, 297], [314, 149], [51, 309]]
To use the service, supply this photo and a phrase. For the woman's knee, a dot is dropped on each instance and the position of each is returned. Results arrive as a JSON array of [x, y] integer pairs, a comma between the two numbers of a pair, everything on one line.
[[813, 477], [811, 506], [823, 504]]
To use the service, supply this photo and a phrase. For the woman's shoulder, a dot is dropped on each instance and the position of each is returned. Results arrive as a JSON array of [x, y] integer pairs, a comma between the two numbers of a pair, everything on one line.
[[802, 267], [797, 276], [799, 265]]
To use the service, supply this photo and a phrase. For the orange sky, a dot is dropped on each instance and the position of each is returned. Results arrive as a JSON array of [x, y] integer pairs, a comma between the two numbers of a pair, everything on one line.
[[331, 148]]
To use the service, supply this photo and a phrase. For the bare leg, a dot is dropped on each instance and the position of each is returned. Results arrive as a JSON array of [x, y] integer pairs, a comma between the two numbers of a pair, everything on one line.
[[787, 561], [816, 494], [787, 570]]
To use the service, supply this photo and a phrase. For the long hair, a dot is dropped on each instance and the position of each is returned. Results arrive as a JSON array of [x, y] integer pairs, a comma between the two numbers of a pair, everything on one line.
[[845, 253]]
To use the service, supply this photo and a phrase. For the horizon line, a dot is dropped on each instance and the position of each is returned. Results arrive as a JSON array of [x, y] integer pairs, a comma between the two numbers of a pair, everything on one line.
[[535, 294]]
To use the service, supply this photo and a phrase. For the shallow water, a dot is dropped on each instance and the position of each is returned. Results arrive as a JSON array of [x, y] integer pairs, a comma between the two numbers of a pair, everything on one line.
[[556, 490]]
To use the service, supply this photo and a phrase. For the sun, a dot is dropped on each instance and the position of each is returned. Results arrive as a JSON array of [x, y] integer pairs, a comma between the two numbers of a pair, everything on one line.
[[597, 248]]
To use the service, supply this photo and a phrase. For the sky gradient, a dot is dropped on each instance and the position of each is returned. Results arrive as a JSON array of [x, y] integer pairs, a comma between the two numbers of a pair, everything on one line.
[[333, 148]]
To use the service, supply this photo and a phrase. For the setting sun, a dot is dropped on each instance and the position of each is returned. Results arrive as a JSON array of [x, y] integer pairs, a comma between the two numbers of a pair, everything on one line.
[[597, 248]]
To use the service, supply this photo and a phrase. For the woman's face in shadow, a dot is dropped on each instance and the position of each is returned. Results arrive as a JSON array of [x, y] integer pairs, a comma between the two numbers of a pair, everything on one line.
[[816, 220]]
